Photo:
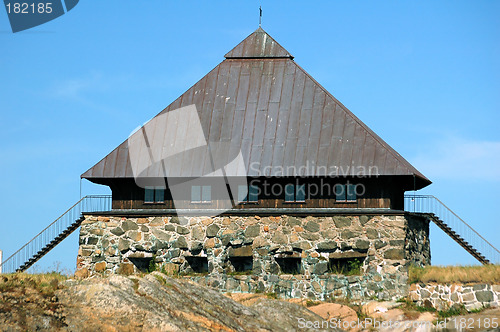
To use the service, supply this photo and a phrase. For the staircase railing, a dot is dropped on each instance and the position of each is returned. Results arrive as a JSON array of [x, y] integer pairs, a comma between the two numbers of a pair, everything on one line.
[[42, 239], [431, 204]]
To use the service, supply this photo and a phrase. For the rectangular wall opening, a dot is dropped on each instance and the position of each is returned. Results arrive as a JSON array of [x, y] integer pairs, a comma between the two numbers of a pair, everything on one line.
[[289, 265], [198, 264], [346, 266], [143, 264], [242, 264]]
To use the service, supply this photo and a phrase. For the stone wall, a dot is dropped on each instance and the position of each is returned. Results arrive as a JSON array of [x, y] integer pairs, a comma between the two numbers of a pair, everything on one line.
[[443, 297], [253, 253]]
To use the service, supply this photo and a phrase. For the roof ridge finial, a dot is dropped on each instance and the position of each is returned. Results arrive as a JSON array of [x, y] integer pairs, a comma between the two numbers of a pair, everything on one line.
[[260, 16]]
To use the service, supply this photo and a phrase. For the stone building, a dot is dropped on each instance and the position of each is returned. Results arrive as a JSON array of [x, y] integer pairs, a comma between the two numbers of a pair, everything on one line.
[[258, 179]]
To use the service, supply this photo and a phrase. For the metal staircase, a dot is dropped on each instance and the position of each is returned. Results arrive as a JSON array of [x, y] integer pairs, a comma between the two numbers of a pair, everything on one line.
[[54, 234], [69, 221], [454, 226]]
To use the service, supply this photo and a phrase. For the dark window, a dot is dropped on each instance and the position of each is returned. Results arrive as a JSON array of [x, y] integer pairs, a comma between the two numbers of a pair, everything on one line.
[[253, 193], [242, 193], [289, 265], [289, 193], [198, 264], [242, 264], [143, 264], [154, 195], [346, 266], [295, 193], [351, 192], [248, 193], [300, 193], [201, 194], [206, 194], [345, 192]]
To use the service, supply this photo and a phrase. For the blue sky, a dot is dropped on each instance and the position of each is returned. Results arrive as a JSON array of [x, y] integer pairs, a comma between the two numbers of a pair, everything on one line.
[[424, 75]]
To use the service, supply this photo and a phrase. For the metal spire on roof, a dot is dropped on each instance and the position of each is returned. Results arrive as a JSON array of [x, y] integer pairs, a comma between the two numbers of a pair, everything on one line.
[[260, 16]]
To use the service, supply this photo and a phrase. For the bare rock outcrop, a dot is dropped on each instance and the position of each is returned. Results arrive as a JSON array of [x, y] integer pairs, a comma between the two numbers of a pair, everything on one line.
[[156, 302]]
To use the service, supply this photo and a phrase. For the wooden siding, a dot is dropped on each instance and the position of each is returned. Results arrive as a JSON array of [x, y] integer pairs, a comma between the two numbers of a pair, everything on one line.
[[383, 192]]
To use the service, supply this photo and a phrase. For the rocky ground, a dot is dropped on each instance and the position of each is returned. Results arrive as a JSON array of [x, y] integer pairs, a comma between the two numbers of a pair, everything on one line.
[[155, 302]]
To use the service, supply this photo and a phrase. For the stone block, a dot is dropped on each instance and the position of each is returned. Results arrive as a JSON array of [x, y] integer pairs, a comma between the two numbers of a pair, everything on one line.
[[118, 231], [425, 294], [316, 286], [312, 226], [100, 267], [397, 254], [135, 236], [302, 245], [126, 269], [347, 254], [484, 296], [179, 220], [169, 228], [236, 242], [207, 221], [379, 244], [197, 233], [210, 243], [327, 245], [82, 273], [180, 243], [182, 230], [228, 231], [85, 252], [195, 246], [92, 240], [293, 221], [129, 225], [362, 244], [97, 231], [245, 251], [142, 220], [479, 287], [280, 238], [347, 235], [212, 230], [157, 221], [364, 219], [310, 236], [372, 233], [320, 268], [342, 222], [226, 239], [161, 235], [170, 269], [252, 231], [332, 284]]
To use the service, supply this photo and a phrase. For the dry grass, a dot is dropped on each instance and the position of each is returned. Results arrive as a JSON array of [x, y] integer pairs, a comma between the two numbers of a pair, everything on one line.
[[45, 283], [487, 274], [29, 300]]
